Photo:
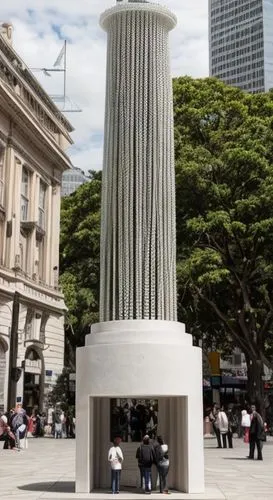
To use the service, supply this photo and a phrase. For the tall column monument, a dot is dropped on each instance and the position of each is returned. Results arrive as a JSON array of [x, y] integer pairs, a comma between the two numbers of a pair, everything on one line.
[[138, 249], [139, 350]]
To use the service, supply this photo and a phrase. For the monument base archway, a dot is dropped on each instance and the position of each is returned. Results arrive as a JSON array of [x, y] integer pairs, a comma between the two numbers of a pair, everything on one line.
[[135, 359]]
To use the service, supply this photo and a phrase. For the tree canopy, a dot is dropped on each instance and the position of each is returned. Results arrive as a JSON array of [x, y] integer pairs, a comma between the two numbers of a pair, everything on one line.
[[224, 178], [79, 261], [224, 183]]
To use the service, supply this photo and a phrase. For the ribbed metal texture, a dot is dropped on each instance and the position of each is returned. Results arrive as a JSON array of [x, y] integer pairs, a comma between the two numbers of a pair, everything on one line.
[[138, 236]]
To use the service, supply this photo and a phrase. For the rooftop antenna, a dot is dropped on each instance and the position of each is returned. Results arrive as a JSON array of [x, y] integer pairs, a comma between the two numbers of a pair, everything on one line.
[[60, 66]]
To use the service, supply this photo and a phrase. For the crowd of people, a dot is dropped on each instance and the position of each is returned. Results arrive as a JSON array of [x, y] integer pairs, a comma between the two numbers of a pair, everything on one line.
[[133, 419], [251, 427], [16, 426], [149, 453]]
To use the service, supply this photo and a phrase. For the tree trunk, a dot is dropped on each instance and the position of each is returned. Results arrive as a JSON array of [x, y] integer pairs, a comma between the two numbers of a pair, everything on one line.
[[255, 384]]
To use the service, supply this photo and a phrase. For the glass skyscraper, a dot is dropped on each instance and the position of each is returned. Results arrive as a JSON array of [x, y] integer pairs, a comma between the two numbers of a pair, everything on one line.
[[241, 43], [71, 180]]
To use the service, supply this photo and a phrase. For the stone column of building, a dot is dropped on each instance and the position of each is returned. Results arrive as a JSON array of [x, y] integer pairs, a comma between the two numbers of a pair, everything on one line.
[[138, 237]]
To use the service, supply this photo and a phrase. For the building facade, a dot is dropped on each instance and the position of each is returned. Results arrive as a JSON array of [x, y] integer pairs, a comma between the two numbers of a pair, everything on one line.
[[71, 180], [33, 138], [241, 43]]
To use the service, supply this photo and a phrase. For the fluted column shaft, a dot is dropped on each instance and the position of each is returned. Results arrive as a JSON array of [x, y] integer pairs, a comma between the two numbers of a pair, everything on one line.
[[138, 236]]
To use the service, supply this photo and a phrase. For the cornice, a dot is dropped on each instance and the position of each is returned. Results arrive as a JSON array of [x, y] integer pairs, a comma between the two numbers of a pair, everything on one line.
[[170, 19], [20, 70], [31, 161], [10, 141], [51, 307], [14, 277], [28, 126]]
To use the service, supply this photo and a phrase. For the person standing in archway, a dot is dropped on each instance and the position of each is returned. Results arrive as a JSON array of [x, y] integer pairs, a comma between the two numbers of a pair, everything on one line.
[[115, 457], [146, 458], [163, 464]]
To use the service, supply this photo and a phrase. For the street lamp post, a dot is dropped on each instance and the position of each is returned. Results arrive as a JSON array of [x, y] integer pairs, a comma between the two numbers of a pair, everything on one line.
[[14, 375]]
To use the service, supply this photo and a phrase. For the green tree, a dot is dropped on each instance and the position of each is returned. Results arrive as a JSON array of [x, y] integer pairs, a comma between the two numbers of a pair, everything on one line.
[[224, 176], [79, 262]]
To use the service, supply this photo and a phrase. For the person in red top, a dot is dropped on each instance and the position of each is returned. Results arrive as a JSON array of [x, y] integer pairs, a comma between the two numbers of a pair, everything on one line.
[[5, 434]]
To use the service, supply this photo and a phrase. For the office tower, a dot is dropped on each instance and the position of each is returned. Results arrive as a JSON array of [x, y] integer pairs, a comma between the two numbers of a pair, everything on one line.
[[71, 180], [241, 43]]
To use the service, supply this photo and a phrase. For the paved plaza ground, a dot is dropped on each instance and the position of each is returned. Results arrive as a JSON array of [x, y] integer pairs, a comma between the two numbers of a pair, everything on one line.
[[46, 471]]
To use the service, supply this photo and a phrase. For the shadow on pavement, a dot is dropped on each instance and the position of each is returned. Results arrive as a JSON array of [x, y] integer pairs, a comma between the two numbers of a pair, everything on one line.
[[56, 487], [236, 458]]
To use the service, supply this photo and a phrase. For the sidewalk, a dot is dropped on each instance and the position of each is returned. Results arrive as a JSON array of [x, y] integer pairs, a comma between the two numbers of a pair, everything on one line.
[[46, 471]]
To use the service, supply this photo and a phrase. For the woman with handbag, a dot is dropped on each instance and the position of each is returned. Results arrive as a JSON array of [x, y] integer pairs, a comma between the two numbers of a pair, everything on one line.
[[115, 457]]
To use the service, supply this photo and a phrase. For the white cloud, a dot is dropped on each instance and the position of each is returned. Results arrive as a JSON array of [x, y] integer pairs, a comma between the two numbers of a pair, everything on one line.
[[39, 28]]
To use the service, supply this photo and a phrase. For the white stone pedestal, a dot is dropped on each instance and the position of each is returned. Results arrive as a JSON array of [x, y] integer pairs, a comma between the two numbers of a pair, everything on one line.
[[139, 359]]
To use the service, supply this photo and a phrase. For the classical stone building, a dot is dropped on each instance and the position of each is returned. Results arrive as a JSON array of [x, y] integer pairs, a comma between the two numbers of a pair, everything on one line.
[[33, 138]]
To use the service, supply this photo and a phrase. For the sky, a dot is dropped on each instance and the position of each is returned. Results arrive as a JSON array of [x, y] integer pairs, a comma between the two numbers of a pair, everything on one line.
[[41, 26]]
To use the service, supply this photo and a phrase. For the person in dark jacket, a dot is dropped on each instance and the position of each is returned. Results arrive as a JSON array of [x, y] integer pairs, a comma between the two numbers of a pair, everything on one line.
[[146, 458], [256, 434]]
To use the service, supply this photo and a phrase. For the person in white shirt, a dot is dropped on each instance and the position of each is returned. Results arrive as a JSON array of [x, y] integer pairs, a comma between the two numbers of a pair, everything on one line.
[[115, 457], [163, 463], [222, 424], [245, 424]]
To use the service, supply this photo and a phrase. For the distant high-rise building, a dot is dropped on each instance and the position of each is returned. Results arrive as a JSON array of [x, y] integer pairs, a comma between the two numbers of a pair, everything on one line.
[[72, 179], [241, 43]]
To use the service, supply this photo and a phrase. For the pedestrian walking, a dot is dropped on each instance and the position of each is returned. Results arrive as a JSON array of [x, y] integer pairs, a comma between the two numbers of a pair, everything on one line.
[[115, 457], [222, 424], [146, 458], [213, 419], [57, 417], [163, 464], [256, 434], [232, 426]]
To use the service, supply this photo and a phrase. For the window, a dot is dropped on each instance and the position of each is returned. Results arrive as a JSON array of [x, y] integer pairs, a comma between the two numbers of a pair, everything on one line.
[[42, 205], [25, 195]]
